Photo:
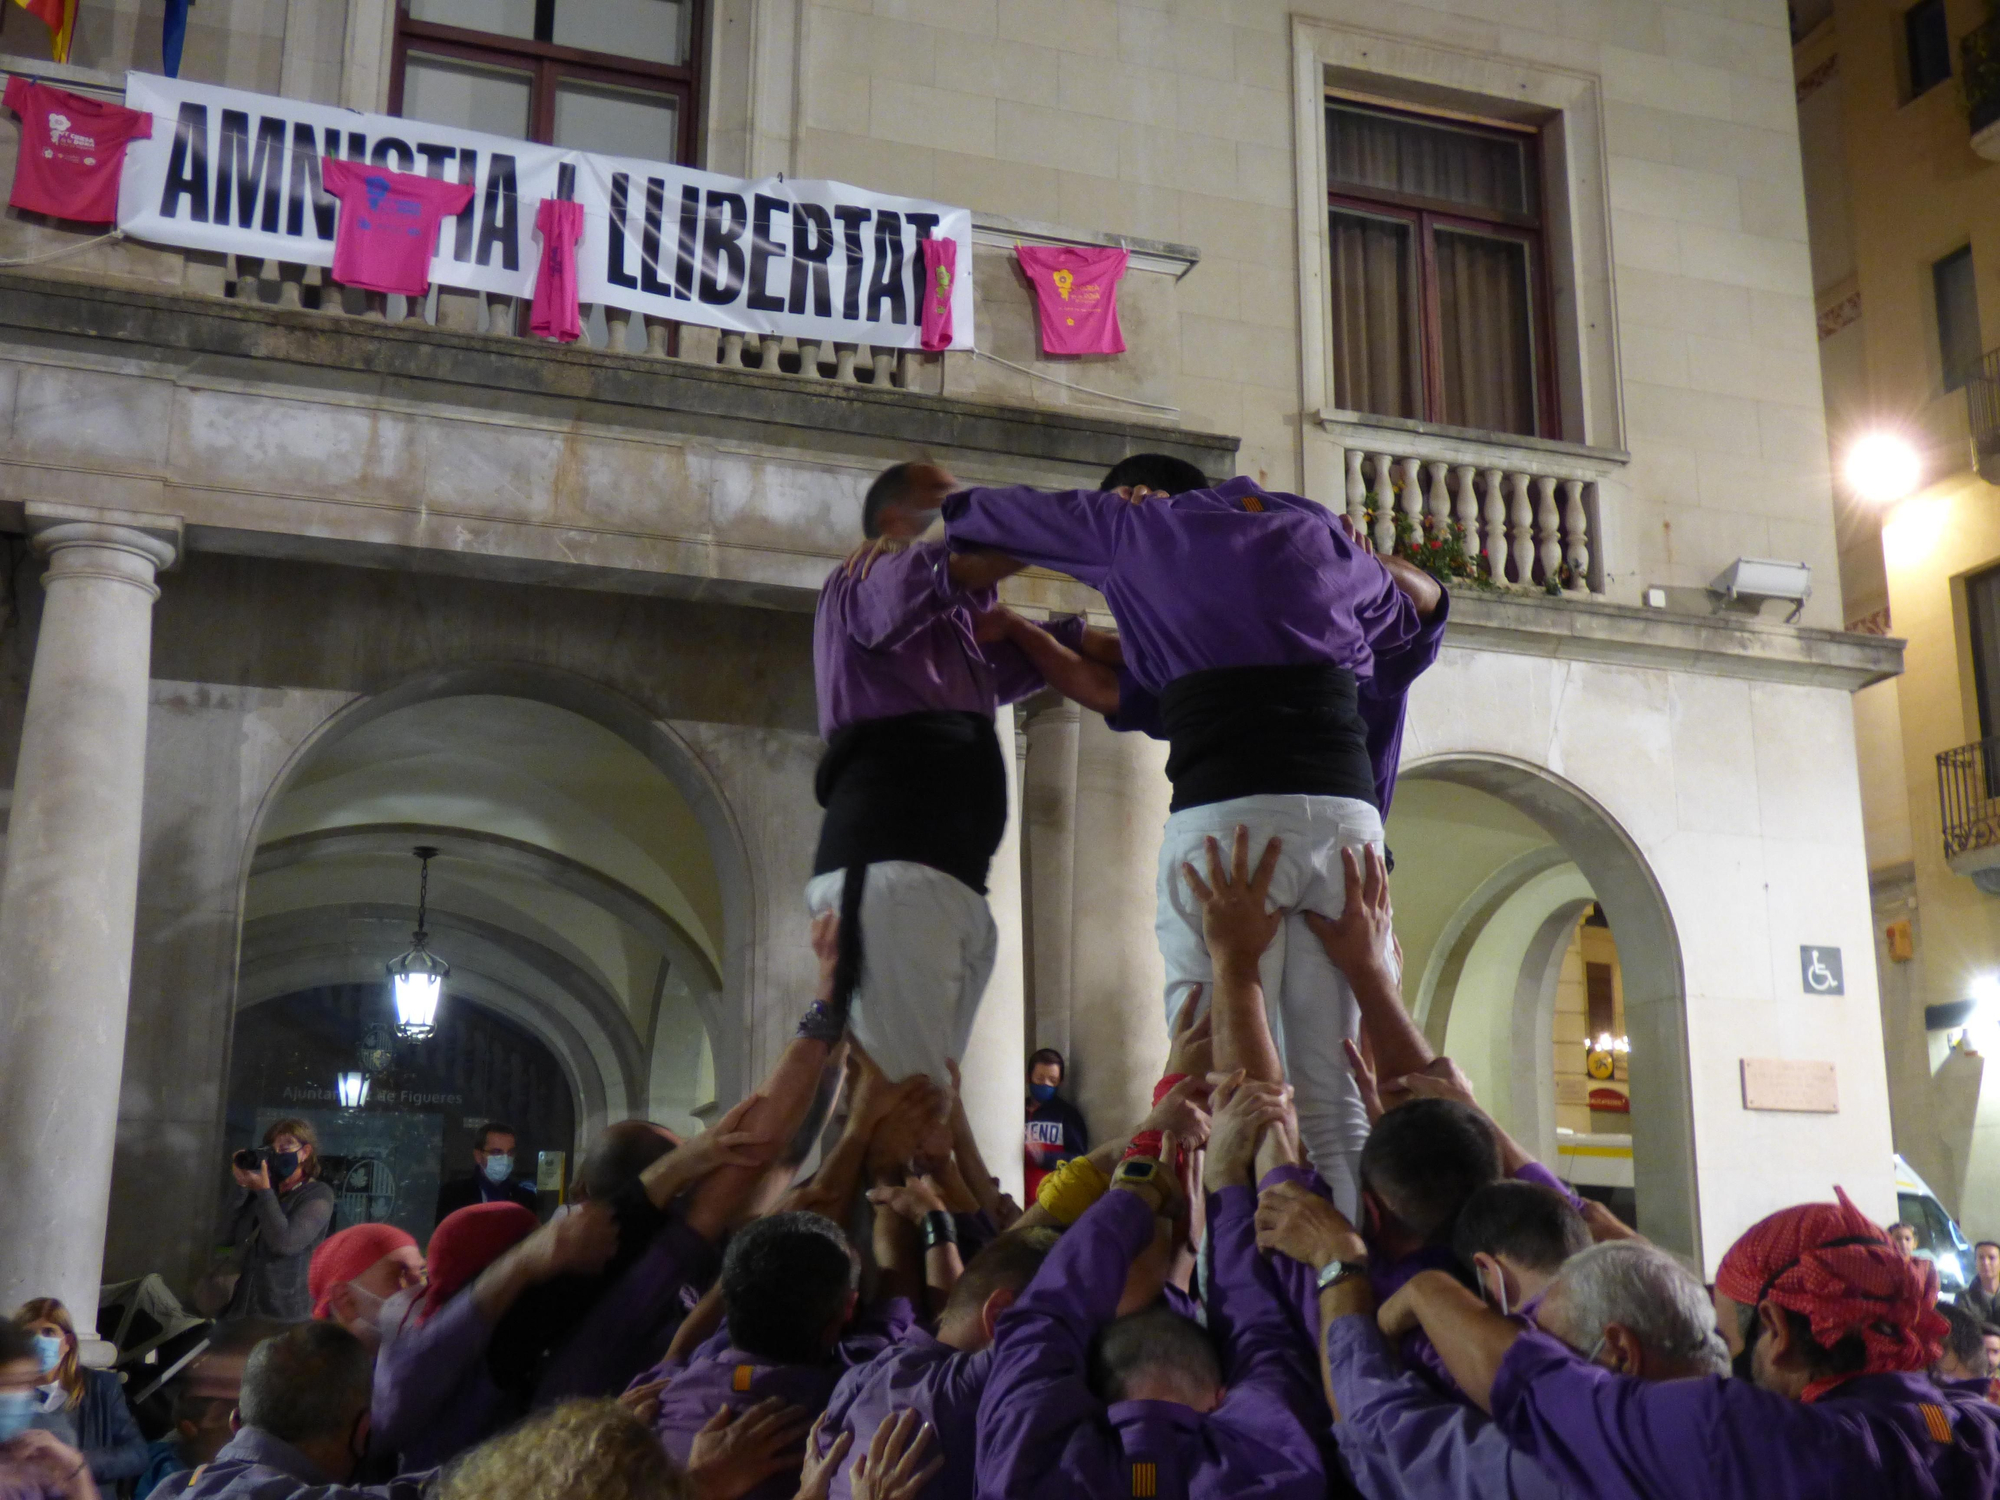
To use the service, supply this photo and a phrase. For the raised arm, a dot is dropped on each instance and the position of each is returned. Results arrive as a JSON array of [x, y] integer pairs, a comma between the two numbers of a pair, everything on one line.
[[1076, 676], [1072, 531], [1361, 943], [1239, 926], [1424, 591]]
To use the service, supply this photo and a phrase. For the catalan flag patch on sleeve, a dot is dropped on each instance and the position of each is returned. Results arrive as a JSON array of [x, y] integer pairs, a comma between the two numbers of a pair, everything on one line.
[[1252, 504], [740, 1381], [1145, 1473], [1937, 1421]]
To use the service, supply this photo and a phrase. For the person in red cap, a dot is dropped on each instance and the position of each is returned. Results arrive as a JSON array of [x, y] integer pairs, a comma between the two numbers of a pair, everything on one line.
[[355, 1271], [1832, 1331]]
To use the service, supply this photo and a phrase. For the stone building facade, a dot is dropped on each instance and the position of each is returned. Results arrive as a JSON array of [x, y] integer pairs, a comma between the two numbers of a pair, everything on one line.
[[324, 584]]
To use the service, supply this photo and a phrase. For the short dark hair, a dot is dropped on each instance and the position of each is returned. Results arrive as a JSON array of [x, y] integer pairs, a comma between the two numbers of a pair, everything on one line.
[[1989, 1330], [784, 1279], [309, 1382], [1047, 1055], [492, 1128], [890, 486], [1979, 1245], [1965, 1338], [1530, 1224], [616, 1158], [1156, 471], [1006, 1265], [1153, 1341], [1424, 1159]]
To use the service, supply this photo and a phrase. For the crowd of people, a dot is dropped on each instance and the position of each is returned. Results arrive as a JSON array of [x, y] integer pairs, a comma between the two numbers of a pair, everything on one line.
[[1314, 1267]]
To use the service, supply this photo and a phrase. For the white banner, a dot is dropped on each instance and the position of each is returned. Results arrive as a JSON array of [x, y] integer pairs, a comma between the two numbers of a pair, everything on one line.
[[239, 173]]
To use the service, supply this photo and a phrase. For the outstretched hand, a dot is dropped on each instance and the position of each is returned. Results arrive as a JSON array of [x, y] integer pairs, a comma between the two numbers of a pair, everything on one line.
[[1361, 941], [864, 557], [1235, 901], [1296, 1222], [816, 1479], [1180, 1113], [736, 1451], [1192, 1051], [894, 1466]]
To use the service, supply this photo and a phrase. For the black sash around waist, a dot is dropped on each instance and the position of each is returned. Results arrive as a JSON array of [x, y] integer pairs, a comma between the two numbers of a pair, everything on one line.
[[1264, 731], [926, 787]]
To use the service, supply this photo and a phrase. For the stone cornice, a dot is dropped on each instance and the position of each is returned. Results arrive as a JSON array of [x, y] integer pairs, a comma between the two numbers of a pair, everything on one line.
[[174, 326], [1726, 645]]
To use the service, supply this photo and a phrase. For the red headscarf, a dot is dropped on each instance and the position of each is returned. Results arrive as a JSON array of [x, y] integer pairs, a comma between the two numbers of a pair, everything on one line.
[[466, 1243], [344, 1256], [1829, 1263]]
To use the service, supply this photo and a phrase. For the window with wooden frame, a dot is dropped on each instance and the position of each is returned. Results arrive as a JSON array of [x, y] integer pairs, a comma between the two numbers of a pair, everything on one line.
[[618, 76], [1439, 274]]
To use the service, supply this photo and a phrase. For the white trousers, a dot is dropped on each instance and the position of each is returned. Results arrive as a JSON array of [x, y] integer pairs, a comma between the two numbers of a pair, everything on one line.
[[1307, 1000], [927, 949]]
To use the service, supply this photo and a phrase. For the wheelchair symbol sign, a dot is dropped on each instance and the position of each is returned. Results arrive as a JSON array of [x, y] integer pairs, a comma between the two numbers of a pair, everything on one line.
[[1819, 971]]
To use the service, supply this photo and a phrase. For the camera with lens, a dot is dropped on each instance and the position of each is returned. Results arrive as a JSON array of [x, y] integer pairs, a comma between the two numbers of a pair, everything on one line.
[[250, 1160]]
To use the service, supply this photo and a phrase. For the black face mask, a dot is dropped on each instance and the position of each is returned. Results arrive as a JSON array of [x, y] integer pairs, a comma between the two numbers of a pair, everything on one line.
[[283, 1164]]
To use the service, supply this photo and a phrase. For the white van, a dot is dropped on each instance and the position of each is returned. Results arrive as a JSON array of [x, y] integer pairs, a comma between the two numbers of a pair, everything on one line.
[[1939, 1239]]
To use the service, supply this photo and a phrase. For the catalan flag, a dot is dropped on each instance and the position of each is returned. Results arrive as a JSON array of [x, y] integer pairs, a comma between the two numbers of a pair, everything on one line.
[[60, 17]]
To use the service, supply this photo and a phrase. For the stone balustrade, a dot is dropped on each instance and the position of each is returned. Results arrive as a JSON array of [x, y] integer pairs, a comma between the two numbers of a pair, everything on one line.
[[1524, 512]]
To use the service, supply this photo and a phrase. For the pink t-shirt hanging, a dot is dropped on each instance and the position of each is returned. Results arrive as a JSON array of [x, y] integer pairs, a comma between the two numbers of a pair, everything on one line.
[[72, 151], [940, 275], [1076, 289], [388, 227], [555, 315]]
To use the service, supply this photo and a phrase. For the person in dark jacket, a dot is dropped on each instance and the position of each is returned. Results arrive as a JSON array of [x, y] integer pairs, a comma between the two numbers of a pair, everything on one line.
[[493, 1178], [1055, 1132], [283, 1210], [84, 1408]]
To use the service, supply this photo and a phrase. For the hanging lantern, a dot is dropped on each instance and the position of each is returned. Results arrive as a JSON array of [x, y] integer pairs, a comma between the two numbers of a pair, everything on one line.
[[417, 978], [352, 1089]]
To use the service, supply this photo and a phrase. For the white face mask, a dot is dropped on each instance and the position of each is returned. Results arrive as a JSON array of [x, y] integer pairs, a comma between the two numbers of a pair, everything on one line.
[[498, 1165], [362, 1307]]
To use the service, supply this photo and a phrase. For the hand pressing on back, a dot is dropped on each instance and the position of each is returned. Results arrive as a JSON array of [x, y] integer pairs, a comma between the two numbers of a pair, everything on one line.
[[895, 1467], [736, 1451], [816, 1479], [1361, 941]]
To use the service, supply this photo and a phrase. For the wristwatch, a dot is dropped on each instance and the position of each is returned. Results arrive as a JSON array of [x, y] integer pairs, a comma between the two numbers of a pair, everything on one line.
[[1143, 1172], [1336, 1271]]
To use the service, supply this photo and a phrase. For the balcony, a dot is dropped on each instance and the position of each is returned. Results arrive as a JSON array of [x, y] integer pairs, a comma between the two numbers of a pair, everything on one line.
[[1515, 514], [1969, 801], [1982, 411]]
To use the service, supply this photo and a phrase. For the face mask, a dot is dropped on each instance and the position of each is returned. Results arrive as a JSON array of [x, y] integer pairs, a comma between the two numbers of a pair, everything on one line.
[[49, 1350], [1595, 1350], [1041, 1093], [1499, 1293], [17, 1410], [498, 1166], [283, 1164]]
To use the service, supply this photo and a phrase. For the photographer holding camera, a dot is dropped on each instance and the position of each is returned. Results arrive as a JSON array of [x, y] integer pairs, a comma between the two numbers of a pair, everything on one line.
[[282, 1213]]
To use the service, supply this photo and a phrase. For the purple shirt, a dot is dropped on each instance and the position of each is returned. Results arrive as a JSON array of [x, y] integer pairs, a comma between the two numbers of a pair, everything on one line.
[[900, 641], [433, 1395], [1401, 1439], [1044, 1433], [634, 1321], [718, 1374], [940, 1383], [1236, 576], [254, 1465], [1605, 1435]]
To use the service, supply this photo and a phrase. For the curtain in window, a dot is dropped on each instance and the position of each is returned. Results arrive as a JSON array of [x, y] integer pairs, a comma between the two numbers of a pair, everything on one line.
[[1377, 359], [1982, 601], [1368, 150], [1486, 344]]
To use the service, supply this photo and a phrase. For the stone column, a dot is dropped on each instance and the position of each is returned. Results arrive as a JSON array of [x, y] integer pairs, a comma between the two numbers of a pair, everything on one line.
[[66, 907], [1048, 819], [1117, 980], [993, 1068]]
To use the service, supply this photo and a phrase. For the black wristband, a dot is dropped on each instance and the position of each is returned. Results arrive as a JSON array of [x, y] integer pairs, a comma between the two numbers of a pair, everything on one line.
[[939, 1229]]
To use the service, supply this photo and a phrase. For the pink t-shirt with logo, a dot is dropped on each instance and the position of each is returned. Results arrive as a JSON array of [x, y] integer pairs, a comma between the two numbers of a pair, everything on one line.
[[1076, 290], [72, 151], [940, 276], [555, 314], [388, 224]]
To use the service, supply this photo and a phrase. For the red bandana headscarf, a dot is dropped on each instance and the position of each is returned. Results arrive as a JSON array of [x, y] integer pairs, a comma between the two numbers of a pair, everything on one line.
[[1829, 1263], [465, 1243], [344, 1256]]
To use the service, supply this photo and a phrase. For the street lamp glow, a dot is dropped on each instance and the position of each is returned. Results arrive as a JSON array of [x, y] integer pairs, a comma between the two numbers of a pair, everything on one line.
[[1985, 995], [352, 1089], [1883, 468]]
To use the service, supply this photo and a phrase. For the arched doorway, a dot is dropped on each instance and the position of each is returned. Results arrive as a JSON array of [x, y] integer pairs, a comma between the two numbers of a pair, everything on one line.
[[1532, 930], [580, 893]]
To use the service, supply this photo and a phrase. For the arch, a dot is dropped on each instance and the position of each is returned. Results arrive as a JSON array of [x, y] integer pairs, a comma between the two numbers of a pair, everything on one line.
[[721, 992], [1649, 957]]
